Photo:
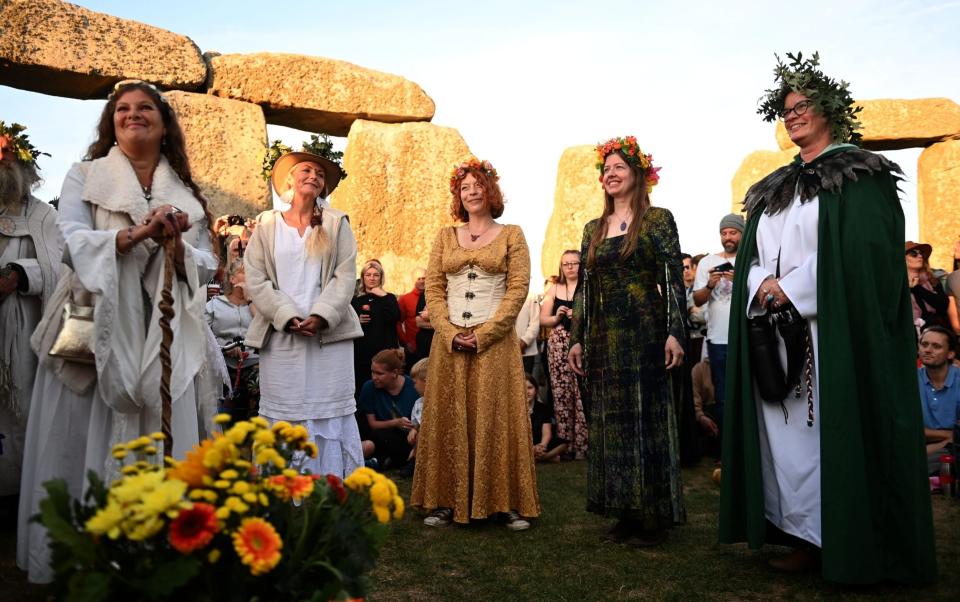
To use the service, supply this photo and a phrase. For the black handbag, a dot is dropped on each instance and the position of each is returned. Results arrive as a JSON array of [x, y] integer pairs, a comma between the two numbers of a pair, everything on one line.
[[773, 382]]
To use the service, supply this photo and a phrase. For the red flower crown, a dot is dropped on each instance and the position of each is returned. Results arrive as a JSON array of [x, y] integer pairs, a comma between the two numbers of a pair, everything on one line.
[[634, 155], [460, 171]]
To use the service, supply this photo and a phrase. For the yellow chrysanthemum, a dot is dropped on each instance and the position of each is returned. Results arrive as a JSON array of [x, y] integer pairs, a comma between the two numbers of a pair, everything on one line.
[[311, 450], [144, 530], [258, 545], [261, 422], [221, 419], [360, 479], [230, 474], [264, 437], [166, 496], [250, 497], [157, 436], [120, 454], [382, 514], [236, 505], [279, 426], [398, 508], [240, 487], [380, 494], [106, 521]]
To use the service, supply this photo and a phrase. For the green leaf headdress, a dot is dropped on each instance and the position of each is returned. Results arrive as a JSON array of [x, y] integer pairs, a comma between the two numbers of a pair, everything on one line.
[[20, 142], [830, 98]]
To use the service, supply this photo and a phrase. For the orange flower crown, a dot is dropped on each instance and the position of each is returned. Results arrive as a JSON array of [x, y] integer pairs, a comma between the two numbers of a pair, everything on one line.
[[636, 157], [460, 171]]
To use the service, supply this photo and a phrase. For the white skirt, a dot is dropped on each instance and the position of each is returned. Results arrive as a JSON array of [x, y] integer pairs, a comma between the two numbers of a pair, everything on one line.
[[338, 446]]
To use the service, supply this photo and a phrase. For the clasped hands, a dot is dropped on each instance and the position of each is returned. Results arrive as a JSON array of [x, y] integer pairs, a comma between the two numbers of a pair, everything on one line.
[[465, 342], [306, 327], [771, 296], [166, 221]]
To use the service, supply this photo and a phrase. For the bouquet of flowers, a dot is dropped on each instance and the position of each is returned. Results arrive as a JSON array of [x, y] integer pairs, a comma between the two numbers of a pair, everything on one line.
[[229, 522]]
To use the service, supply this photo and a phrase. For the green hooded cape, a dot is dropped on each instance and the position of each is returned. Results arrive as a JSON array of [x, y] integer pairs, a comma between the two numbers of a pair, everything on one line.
[[876, 515]]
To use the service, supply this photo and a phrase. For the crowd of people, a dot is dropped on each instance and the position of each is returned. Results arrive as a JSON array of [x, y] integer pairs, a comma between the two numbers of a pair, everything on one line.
[[817, 366]]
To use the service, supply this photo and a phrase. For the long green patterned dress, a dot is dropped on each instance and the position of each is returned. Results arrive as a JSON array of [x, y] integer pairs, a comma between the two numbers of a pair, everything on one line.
[[622, 320]]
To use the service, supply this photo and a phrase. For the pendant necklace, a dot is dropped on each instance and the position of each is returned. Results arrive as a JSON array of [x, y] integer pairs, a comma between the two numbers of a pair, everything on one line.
[[147, 192], [623, 223], [476, 237]]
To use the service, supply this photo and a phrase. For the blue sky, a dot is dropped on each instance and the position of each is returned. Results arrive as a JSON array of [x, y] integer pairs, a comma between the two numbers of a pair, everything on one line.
[[522, 81]]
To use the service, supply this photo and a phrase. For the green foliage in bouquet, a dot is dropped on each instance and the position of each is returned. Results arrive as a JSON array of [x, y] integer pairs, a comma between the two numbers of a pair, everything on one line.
[[230, 522]]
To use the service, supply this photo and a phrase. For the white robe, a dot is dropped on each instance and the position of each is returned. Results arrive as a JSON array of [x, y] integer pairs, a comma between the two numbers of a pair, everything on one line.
[[29, 240], [790, 450], [73, 424]]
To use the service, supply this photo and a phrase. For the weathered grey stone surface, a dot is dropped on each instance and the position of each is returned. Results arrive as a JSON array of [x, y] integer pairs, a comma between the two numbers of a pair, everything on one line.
[[397, 192], [317, 94], [59, 48], [226, 140]]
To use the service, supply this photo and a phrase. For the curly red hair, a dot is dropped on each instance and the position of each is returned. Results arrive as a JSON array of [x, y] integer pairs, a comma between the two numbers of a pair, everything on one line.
[[491, 194]]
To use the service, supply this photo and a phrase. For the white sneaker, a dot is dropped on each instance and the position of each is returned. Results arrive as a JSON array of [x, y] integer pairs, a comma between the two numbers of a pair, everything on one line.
[[439, 517], [514, 522]]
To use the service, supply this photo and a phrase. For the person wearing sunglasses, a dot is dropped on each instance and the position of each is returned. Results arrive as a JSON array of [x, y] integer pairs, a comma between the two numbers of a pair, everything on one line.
[[822, 450], [931, 305]]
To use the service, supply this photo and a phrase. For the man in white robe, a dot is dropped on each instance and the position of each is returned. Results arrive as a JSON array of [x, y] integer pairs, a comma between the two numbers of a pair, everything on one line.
[[29, 256]]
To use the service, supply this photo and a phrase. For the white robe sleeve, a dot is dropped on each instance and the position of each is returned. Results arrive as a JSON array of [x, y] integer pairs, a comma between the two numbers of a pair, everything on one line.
[[31, 269], [800, 286], [755, 279]]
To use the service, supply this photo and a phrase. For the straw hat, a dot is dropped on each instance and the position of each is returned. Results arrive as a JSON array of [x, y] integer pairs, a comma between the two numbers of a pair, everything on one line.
[[287, 162]]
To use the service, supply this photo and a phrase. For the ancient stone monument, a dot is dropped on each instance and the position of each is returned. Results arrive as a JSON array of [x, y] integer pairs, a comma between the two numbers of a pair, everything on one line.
[[396, 190]]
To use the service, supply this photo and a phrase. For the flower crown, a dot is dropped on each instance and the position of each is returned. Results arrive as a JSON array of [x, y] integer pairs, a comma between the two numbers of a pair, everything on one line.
[[831, 98], [460, 171], [20, 144], [634, 155]]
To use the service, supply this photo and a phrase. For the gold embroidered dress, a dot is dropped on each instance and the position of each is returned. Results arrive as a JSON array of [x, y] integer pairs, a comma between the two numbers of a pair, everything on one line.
[[475, 451]]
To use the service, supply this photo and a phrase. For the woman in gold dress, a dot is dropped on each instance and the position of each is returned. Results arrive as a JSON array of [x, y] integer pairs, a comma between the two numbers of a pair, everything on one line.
[[475, 452]]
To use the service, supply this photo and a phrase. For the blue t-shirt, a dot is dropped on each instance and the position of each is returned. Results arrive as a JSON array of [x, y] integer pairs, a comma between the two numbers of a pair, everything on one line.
[[385, 406], [941, 409]]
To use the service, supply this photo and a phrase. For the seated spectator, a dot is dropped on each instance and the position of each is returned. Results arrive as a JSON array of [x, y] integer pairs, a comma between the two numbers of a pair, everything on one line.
[[705, 405], [696, 316], [419, 375], [939, 383], [229, 315], [387, 400], [546, 446], [930, 303]]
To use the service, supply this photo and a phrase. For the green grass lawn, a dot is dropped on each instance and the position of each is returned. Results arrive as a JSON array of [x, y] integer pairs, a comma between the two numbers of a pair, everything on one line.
[[563, 558]]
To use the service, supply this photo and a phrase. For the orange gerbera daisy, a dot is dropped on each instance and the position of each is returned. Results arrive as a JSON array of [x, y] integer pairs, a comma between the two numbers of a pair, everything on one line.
[[258, 545], [191, 469], [194, 528], [295, 487]]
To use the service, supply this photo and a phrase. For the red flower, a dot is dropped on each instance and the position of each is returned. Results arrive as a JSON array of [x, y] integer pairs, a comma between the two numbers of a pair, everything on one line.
[[193, 528], [336, 485]]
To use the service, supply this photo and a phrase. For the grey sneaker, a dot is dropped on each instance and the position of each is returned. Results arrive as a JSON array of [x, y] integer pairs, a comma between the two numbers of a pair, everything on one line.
[[514, 522], [439, 518]]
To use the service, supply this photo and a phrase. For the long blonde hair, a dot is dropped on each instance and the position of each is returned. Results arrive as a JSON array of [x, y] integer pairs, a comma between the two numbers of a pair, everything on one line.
[[639, 203]]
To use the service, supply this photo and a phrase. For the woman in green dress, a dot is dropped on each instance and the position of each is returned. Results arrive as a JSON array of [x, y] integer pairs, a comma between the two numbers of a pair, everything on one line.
[[627, 327]]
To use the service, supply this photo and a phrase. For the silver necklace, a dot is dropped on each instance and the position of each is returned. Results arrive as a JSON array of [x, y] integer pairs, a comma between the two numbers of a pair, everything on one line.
[[147, 191], [623, 223]]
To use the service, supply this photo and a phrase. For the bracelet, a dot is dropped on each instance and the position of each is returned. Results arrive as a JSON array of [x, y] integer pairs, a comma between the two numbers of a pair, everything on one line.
[[709, 288], [130, 236]]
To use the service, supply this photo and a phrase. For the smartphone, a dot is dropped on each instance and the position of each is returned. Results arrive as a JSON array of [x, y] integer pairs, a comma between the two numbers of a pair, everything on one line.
[[723, 267]]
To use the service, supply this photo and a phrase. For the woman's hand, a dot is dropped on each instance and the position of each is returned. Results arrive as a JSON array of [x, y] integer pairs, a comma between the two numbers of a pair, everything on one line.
[[378, 291], [771, 296], [575, 358], [465, 342], [364, 318], [673, 353], [166, 221]]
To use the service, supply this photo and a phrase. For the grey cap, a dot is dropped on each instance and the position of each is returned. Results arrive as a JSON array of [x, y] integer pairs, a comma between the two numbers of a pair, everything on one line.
[[732, 220]]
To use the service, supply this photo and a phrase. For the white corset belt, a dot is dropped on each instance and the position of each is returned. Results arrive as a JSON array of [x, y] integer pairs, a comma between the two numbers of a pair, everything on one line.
[[474, 295]]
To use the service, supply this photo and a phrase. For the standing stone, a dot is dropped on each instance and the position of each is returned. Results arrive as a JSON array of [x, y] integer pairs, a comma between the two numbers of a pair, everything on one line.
[[938, 199], [897, 124], [397, 192], [317, 94], [226, 141], [753, 169], [577, 200], [58, 48]]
